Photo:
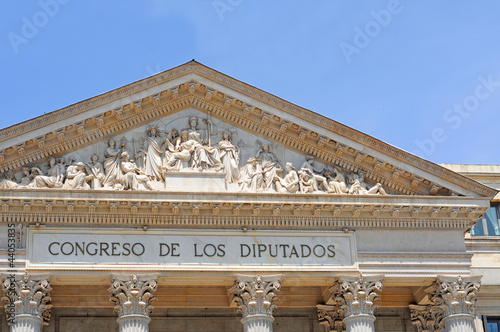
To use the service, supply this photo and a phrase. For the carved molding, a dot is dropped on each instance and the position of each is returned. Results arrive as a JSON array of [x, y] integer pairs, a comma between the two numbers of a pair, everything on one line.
[[455, 295], [254, 295], [238, 221], [132, 296], [329, 210], [30, 296], [427, 318], [357, 294], [331, 317]]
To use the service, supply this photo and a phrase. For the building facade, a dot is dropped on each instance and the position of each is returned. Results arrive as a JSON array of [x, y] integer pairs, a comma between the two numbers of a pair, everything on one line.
[[192, 201]]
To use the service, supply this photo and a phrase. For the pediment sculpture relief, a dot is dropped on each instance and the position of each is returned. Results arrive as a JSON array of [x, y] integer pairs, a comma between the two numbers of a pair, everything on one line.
[[149, 163]]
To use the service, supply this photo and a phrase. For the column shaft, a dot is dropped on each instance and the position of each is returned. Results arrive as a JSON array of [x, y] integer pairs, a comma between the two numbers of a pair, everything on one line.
[[258, 323], [360, 323], [459, 323], [26, 323], [133, 323]]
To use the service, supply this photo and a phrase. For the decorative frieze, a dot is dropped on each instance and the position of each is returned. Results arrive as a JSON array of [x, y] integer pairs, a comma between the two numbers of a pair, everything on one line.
[[255, 297], [27, 301]]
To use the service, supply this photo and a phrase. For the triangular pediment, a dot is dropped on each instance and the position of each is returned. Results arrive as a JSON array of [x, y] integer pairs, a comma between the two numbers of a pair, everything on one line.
[[252, 117]]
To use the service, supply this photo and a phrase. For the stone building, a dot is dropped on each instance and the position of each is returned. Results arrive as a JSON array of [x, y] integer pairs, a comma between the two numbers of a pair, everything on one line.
[[191, 201]]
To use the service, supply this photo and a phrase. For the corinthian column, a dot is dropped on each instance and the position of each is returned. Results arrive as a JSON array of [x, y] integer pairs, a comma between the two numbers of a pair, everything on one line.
[[456, 296], [254, 296], [132, 297], [356, 295], [27, 303]]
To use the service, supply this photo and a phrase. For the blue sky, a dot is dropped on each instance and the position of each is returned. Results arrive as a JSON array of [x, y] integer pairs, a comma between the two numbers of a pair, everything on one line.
[[421, 75]]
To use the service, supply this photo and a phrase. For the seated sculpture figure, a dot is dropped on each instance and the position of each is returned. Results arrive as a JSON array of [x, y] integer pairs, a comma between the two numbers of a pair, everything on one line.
[[76, 178], [337, 184], [189, 148], [306, 181], [205, 157], [251, 177], [290, 183], [320, 181], [132, 175], [181, 152]]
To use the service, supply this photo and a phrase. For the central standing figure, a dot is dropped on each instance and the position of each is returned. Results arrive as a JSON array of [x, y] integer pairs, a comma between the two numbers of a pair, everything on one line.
[[270, 166]]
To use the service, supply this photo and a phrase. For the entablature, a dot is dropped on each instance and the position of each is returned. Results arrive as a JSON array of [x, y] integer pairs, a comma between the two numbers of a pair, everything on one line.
[[239, 209]]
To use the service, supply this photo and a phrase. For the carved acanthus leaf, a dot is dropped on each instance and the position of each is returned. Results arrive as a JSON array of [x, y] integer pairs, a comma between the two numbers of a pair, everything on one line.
[[331, 317], [456, 295], [255, 295], [30, 296], [427, 318], [357, 294], [133, 296]]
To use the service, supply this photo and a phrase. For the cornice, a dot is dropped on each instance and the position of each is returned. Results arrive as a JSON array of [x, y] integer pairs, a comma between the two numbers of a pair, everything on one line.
[[238, 210], [251, 118]]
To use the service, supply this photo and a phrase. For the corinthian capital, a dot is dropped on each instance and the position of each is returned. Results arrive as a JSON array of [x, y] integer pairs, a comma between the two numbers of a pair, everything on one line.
[[27, 296], [254, 295], [427, 318], [456, 295], [331, 317], [132, 296], [357, 294]]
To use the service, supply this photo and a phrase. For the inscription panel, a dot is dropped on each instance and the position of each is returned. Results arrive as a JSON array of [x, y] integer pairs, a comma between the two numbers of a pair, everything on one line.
[[111, 249]]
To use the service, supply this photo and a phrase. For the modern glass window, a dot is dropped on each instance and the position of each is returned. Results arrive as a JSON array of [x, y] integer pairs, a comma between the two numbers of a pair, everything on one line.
[[489, 224], [491, 324]]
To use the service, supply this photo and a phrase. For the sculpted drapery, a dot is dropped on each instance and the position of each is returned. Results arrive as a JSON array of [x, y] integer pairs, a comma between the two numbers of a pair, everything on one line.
[[230, 158], [53, 179], [112, 169], [153, 155]]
